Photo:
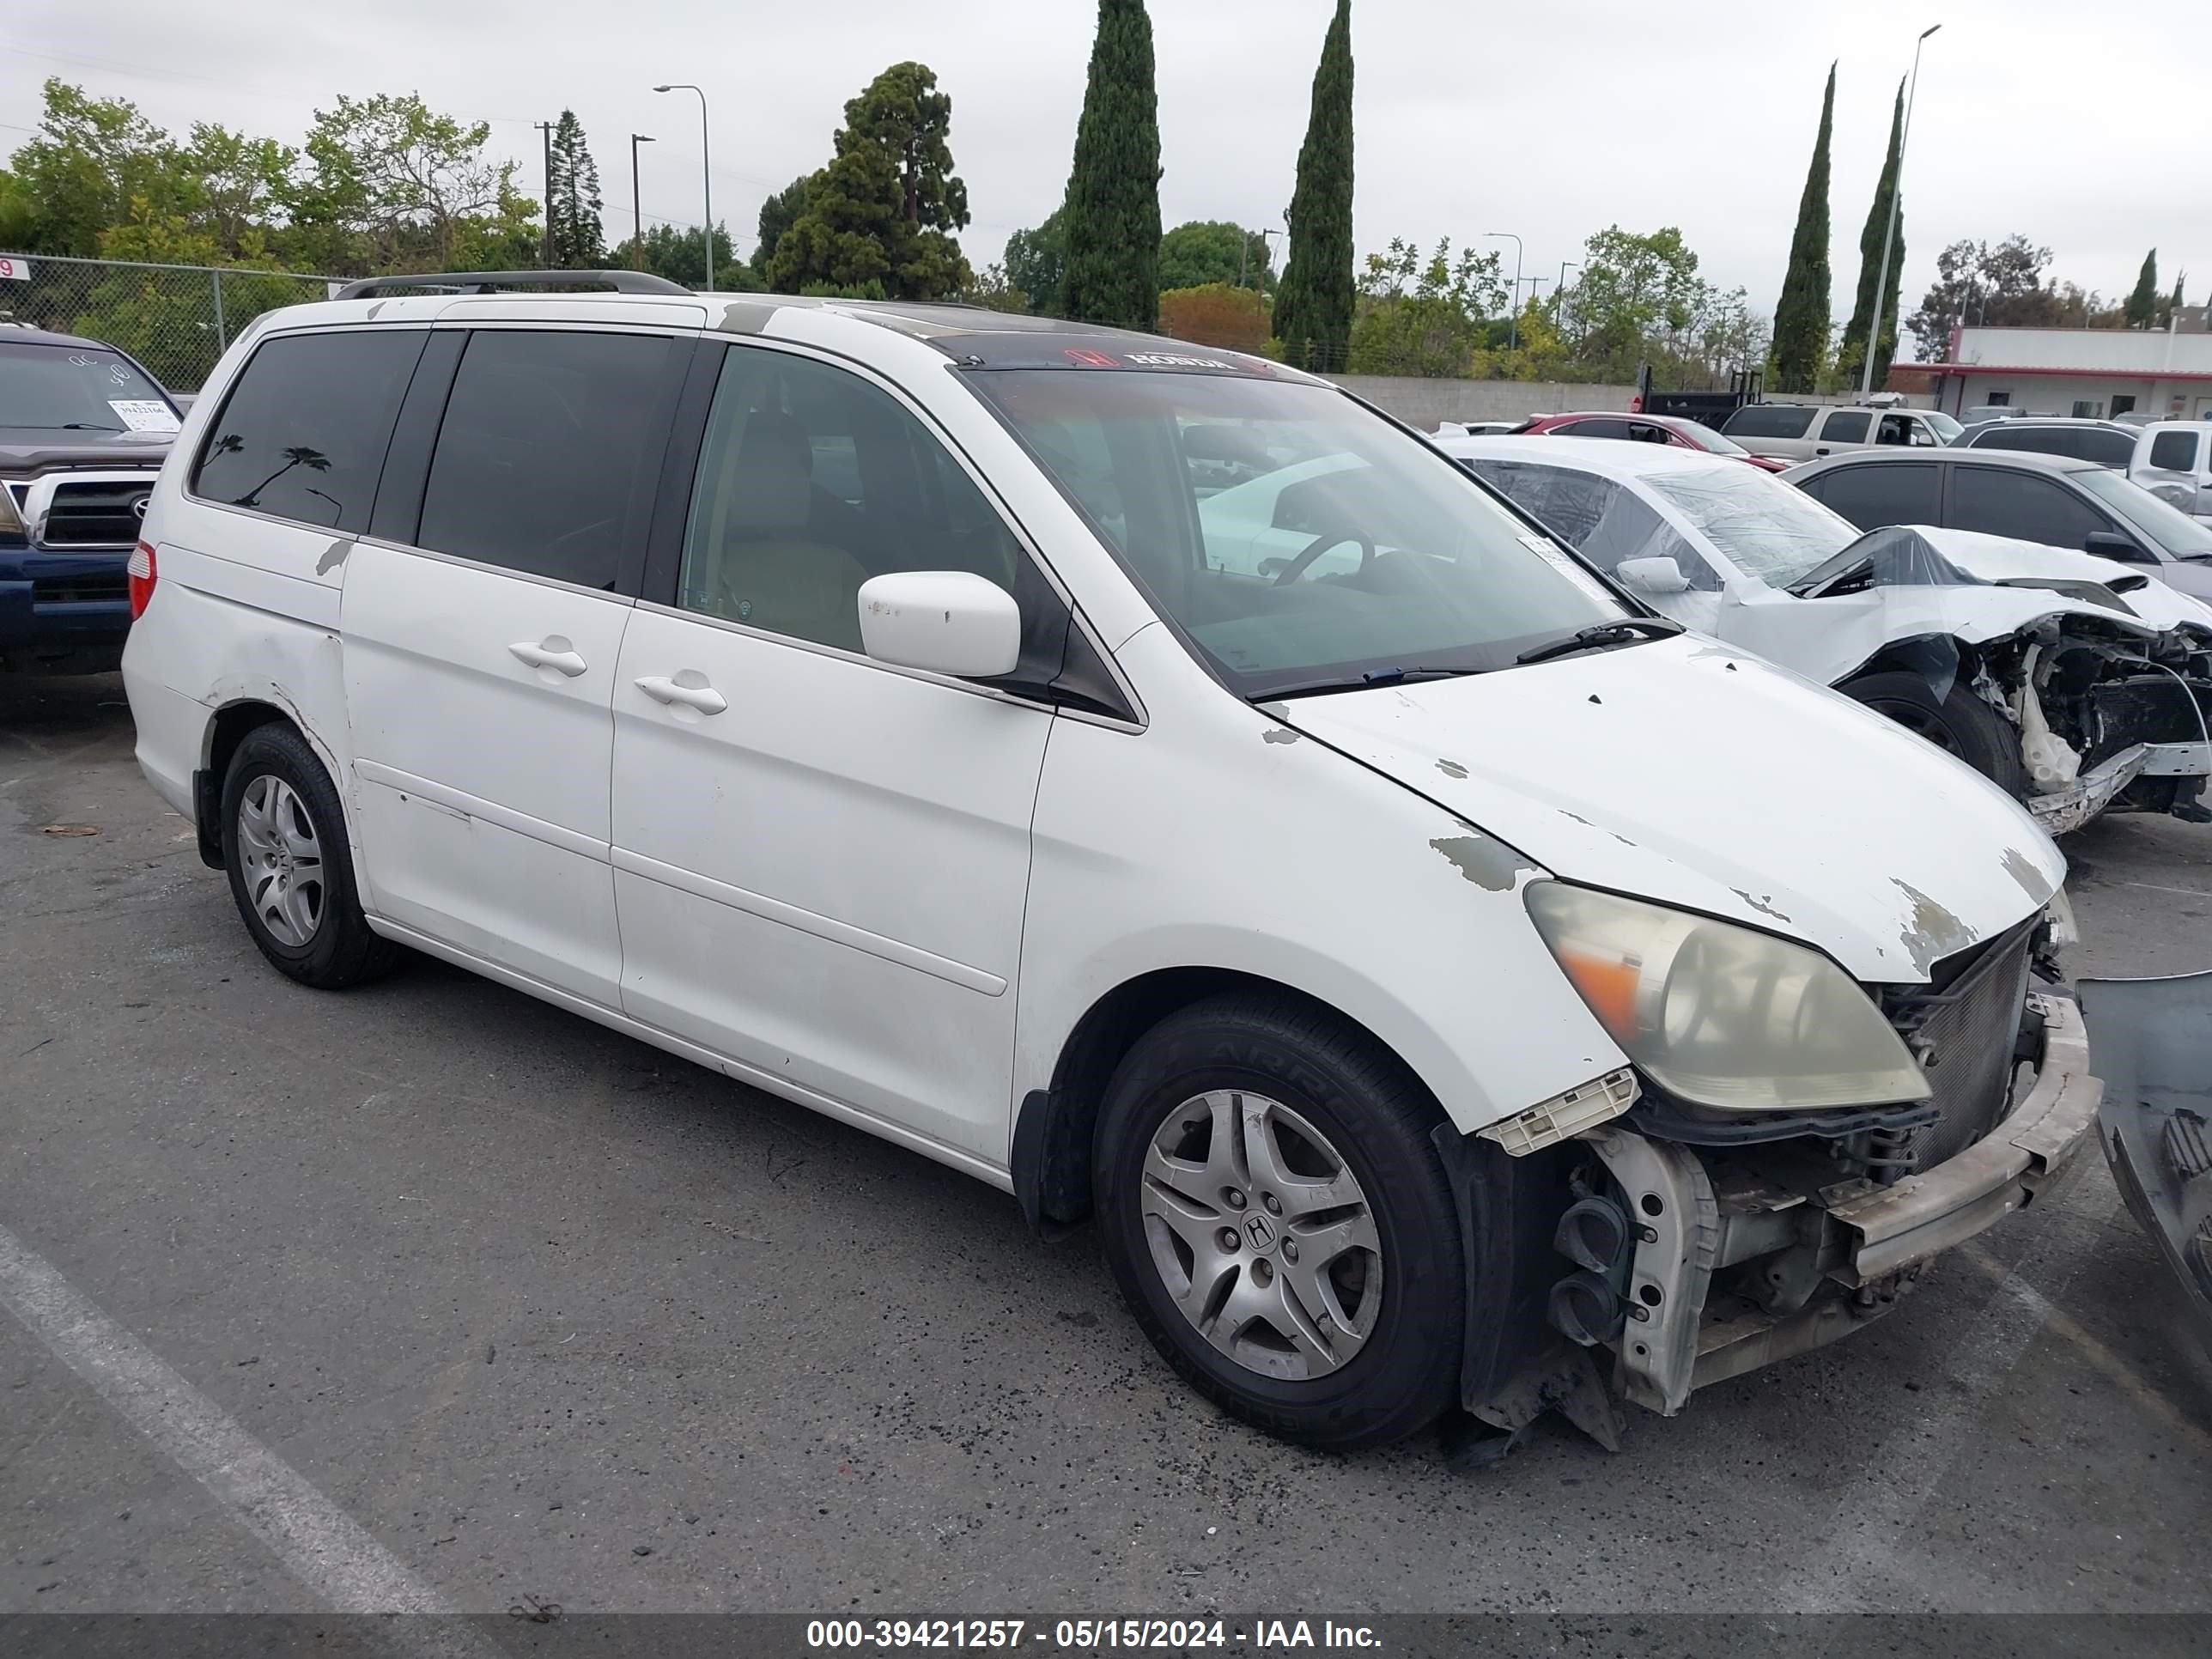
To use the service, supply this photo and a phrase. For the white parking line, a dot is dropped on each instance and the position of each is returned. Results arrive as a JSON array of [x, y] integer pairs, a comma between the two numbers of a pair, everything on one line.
[[1853, 1567], [316, 1542]]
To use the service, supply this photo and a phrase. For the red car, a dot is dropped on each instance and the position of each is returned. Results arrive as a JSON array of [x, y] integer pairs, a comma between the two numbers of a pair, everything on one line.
[[1644, 428]]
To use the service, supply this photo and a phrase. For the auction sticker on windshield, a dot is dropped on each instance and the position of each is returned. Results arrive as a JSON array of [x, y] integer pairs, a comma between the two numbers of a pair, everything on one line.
[[145, 414], [1549, 552]]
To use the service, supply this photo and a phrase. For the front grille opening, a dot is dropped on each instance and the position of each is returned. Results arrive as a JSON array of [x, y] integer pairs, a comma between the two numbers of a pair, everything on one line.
[[1965, 1026]]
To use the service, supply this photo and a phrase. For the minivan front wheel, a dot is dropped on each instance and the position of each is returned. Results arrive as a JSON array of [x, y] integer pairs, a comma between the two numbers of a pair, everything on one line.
[[1279, 1223], [291, 870]]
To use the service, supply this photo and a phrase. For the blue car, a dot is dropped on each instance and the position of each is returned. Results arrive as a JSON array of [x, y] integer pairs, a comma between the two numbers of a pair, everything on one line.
[[83, 430]]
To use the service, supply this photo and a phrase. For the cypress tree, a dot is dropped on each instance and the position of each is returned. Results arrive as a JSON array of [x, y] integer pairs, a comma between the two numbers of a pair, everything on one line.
[[1801, 317], [579, 243], [1313, 304], [2174, 301], [2142, 304], [1872, 240], [1112, 213]]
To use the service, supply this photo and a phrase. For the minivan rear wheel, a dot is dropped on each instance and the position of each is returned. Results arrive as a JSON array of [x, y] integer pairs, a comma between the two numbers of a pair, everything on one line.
[[1959, 722], [1279, 1223], [291, 866]]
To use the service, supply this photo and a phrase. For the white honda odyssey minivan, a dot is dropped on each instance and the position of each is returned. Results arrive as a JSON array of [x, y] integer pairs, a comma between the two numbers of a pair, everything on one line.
[[1137, 775]]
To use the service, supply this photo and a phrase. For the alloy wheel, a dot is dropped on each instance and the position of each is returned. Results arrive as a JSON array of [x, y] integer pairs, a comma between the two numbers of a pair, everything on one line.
[[282, 858]]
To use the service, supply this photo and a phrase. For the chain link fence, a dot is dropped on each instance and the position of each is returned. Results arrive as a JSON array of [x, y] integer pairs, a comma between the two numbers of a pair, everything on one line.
[[176, 320]]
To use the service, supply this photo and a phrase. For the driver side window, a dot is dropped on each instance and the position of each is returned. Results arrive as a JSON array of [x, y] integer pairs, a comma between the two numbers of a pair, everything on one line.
[[542, 459]]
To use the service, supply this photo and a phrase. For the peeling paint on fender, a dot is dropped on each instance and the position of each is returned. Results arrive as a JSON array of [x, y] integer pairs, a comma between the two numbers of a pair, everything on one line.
[[1934, 933], [1489, 864], [1278, 734], [2023, 871], [1765, 907], [1451, 768]]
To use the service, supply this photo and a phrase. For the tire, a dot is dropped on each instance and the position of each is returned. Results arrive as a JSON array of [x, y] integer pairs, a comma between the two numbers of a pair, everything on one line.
[[284, 847], [1959, 723], [1379, 1357]]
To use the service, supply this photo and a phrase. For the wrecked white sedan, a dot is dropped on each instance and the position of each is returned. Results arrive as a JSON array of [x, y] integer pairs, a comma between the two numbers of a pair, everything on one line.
[[2075, 684]]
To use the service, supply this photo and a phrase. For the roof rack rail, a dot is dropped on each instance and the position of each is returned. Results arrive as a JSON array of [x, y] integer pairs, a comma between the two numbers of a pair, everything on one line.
[[491, 282]]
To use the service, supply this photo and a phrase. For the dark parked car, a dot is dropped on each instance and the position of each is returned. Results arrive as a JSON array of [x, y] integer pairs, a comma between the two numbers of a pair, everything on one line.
[[2051, 498], [83, 429], [2107, 443]]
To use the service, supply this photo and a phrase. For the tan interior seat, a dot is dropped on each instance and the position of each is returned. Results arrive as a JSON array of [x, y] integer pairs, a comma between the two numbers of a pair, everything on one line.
[[757, 565]]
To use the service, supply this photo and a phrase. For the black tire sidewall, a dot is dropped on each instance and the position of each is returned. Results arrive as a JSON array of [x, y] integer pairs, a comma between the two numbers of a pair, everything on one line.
[[1980, 736], [1406, 1372], [275, 750]]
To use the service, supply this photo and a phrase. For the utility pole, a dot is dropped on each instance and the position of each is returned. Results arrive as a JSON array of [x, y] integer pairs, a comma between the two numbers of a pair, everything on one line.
[[1896, 192], [636, 204], [1513, 329], [705, 171], [546, 127]]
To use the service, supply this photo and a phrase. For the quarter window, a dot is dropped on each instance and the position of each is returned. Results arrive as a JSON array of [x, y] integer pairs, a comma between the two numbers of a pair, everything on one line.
[[811, 481], [1846, 425], [1768, 421], [2175, 452], [546, 456], [303, 433]]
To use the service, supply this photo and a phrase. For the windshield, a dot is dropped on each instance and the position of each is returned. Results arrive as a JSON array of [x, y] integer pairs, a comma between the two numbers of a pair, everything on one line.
[[1766, 528], [1297, 539], [1698, 435], [1946, 427], [64, 388], [2167, 527]]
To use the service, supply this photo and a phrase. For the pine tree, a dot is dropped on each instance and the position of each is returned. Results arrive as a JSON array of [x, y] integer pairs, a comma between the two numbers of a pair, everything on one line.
[[1313, 303], [879, 218], [1872, 240], [1112, 213], [2142, 310], [777, 213], [572, 193], [1801, 317]]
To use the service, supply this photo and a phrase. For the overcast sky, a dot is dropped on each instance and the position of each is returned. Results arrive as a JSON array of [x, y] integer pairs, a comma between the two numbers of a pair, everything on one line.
[[1550, 119]]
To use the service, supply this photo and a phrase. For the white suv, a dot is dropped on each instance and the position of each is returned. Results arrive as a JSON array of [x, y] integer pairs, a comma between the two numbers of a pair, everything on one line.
[[1137, 775]]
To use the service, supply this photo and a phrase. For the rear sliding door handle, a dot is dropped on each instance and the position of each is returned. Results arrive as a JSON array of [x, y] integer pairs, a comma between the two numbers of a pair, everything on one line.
[[702, 696], [552, 652]]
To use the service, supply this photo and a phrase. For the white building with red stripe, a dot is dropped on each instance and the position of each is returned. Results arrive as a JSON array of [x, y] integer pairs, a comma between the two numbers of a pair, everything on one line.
[[2078, 371]]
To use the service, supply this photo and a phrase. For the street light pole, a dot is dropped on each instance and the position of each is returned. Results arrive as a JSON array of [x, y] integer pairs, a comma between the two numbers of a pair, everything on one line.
[[1513, 328], [636, 204], [705, 172], [1889, 236]]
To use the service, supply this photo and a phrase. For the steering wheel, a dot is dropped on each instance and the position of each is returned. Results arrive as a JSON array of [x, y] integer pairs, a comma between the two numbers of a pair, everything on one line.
[[1321, 544]]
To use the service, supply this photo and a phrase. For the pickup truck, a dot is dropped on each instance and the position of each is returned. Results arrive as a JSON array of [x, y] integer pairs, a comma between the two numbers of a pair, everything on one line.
[[1805, 432], [2172, 460], [83, 430]]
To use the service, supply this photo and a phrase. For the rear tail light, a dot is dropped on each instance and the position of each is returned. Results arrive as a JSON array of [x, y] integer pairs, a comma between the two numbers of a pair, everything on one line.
[[1636, 405], [141, 572]]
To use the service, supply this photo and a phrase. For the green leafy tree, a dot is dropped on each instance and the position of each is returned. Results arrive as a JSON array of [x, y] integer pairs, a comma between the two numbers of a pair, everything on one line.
[[1206, 251], [1423, 317], [1872, 241], [91, 159], [2001, 285], [19, 214], [679, 253], [2142, 310], [777, 215], [1314, 304], [884, 211], [393, 185], [1636, 292], [1801, 318], [1111, 217], [992, 290], [572, 189], [1037, 264]]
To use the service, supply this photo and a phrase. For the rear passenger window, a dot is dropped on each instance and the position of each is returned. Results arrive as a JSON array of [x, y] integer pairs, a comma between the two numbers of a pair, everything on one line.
[[1595, 430], [1871, 496], [1846, 426], [546, 456], [2175, 452], [811, 481], [303, 433]]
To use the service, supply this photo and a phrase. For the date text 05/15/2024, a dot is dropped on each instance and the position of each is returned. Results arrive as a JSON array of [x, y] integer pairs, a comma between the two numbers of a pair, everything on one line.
[[1089, 1635]]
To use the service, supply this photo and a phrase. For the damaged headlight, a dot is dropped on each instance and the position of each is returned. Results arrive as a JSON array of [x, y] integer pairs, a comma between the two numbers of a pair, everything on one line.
[[1721, 1015]]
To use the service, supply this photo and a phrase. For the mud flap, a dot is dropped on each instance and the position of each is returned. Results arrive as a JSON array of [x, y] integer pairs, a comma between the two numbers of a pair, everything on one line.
[[2153, 1043]]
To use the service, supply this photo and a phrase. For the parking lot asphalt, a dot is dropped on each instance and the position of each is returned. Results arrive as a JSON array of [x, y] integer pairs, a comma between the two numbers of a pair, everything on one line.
[[539, 1311]]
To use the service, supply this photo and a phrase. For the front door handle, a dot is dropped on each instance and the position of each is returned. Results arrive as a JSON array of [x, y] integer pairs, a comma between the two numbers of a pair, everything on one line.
[[702, 696], [552, 652]]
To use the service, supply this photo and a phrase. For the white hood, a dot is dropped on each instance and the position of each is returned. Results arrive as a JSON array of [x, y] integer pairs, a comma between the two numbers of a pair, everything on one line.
[[1999, 559], [1693, 774]]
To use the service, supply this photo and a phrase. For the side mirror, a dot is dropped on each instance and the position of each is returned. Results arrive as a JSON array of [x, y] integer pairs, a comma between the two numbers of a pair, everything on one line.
[[947, 621], [2111, 544], [1654, 575]]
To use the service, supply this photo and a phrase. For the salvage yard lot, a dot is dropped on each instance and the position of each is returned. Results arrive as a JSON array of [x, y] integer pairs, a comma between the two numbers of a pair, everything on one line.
[[549, 1313]]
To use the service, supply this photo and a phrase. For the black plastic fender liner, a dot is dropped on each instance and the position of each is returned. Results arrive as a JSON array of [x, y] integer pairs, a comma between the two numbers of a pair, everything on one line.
[[1508, 1211], [207, 815], [1040, 1165]]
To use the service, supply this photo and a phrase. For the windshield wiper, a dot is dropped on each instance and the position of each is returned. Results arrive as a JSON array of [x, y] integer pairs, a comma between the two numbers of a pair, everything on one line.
[[1626, 631], [1362, 682], [65, 426]]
